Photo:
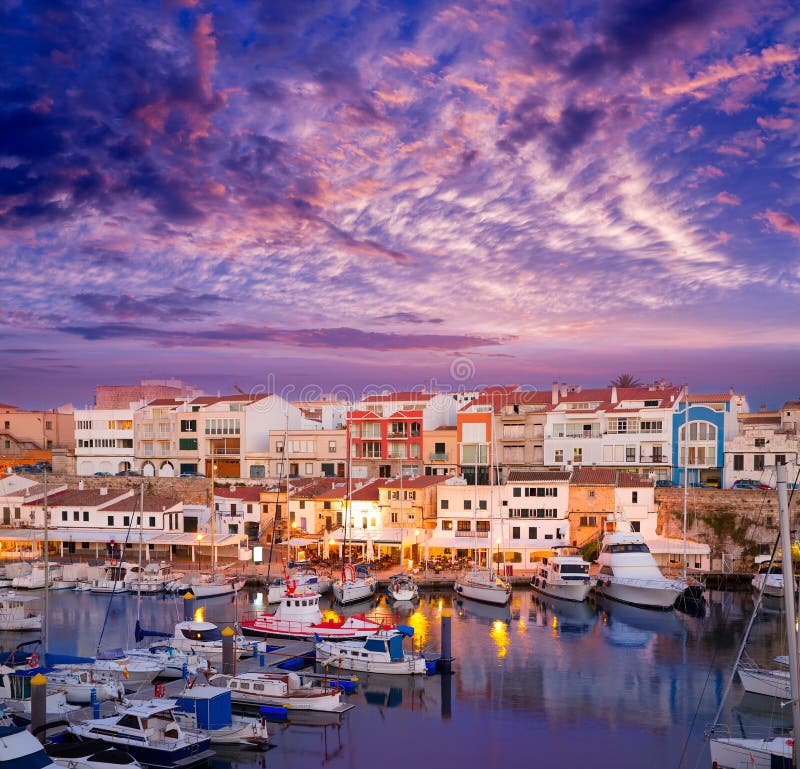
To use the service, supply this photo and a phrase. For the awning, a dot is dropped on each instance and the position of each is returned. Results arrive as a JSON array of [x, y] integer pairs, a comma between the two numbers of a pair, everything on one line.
[[674, 546], [77, 535], [186, 538], [376, 536]]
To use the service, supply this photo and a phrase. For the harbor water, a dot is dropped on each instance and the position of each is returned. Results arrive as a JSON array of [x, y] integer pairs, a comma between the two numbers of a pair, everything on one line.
[[536, 683]]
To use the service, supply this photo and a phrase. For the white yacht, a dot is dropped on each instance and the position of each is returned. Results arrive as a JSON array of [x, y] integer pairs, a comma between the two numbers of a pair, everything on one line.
[[402, 587], [209, 585], [15, 613], [768, 579], [205, 640], [78, 683], [283, 689], [629, 573], [380, 653], [18, 747], [114, 579], [33, 580], [15, 690], [153, 578], [563, 575], [481, 584], [133, 671], [300, 578], [355, 584]]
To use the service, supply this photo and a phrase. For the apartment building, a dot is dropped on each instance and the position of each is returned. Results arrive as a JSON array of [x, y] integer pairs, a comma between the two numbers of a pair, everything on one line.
[[382, 446], [440, 451], [28, 436], [315, 453], [104, 441]]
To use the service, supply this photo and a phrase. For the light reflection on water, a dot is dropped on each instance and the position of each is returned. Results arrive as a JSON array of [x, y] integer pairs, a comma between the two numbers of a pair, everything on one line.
[[595, 683]]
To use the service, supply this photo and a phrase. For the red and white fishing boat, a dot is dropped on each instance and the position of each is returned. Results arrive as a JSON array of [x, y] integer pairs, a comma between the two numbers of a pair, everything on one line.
[[298, 616]]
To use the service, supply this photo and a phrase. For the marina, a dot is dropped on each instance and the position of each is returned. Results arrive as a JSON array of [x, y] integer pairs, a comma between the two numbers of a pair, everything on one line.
[[535, 669]]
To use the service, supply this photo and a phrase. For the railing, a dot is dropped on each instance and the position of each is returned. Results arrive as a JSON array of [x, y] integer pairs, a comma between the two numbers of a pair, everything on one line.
[[478, 534], [398, 434], [660, 459], [439, 456]]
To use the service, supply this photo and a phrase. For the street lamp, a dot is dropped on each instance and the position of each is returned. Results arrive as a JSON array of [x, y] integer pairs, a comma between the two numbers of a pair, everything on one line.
[[199, 540]]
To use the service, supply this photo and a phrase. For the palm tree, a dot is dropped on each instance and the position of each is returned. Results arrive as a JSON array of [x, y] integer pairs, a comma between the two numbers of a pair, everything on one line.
[[625, 380]]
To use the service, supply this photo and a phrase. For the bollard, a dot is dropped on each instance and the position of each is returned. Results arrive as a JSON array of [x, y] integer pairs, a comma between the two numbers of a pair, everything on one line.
[[95, 704], [446, 659], [39, 706], [227, 652], [188, 606]]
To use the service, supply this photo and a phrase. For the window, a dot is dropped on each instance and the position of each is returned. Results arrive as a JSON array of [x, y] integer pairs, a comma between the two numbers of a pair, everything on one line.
[[738, 461], [331, 447], [761, 443], [151, 521], [758, 462], [464, 526], [64, 515], [634, 496], [515, 532], [447, 525], [444, 504], [482, 526], [630, 453], [467, 504], [780, 459], [482, 504], [636, 526], [533, 532], [76, 515], [577, 454], [559, 455], [309, 468], [328, 470], [326, 505], [86, 516], [302, 504], [590, 494], [110, 520], [48, 425], [188, 425], [126, 520], [517, 492], [187, 444]]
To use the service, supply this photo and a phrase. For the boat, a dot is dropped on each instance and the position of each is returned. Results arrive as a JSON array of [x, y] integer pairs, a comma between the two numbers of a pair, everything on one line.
[[33, 580], [298, 616], [207, 709], [380, 653], [205, 640], [15, 690], [355, 584], [564, 575], [134, 672], [211, 585], [774, 751], [74, 753], [153, 579], [402, 587], [305, 577], [482, 584], [114, 579], [174, 663], [628, 573], [19, 748], [768, 580], [79, 683], [150, 733], [766, 681], [15, 614], [290, 690]]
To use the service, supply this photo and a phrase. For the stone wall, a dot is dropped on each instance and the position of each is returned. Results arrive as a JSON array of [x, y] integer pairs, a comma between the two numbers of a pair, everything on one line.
[[191, 491], [742, 522]]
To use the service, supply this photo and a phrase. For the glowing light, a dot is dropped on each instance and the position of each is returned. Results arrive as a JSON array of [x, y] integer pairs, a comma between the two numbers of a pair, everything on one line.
[[199, 538], [199, 614], [555, 622], [421, 625], [259, 599], [499, 634], [416, 532], [441, 603], [331, 542]]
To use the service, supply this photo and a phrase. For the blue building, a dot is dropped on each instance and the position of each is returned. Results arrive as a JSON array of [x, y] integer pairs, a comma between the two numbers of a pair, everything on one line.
[[699, 432]]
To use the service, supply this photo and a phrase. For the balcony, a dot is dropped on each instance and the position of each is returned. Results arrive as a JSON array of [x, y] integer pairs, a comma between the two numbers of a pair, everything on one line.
[[475, 534], [398, 434], [653, 460], [439, 456]]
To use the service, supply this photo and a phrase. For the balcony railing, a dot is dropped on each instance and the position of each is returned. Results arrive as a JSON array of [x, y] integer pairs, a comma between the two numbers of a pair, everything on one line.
[[398, 434], [658, 459], [478, 534], [439, 456]]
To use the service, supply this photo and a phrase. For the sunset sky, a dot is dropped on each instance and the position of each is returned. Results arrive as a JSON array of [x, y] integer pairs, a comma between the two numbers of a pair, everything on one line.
[[374, 193]]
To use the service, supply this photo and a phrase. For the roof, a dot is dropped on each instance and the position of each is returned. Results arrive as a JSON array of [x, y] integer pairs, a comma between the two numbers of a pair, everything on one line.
[[760, 419], [151, 504], [713, 398], [534, 476], [245, 493], [84, 497], [164, 402], [593, 476], [368, 492], [419, 482], [409, 414], [356, 414], [633, 480], [498, 399], [407, 395]]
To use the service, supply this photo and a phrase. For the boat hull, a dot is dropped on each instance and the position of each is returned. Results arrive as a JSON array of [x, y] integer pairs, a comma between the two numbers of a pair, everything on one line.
[[324, 702], [570, 591], [352, 592], [661, 599], [409, 666], [497, 596], [741, 753], [769, 683]]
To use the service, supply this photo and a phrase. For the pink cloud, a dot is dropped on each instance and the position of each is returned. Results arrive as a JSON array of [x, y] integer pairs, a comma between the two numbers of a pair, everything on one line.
[[206, 46], [710, 172], [728, 199], [696, 131], [775, 123], [723, 237], [782, 222]]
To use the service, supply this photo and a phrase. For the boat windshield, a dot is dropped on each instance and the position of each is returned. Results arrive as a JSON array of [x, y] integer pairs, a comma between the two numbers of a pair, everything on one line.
[[202, 635], [630, 547], [574, 568]]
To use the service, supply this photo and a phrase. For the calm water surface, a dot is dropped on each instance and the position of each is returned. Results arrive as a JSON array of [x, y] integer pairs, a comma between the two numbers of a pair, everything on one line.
[[536, 683]]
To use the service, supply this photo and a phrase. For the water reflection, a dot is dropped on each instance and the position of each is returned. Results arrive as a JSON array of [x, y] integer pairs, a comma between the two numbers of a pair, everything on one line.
[[565, 617], [499, 634], [631, 626]]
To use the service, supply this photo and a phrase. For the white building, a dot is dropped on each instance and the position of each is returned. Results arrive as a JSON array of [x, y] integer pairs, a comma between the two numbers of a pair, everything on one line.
[[104, 440]]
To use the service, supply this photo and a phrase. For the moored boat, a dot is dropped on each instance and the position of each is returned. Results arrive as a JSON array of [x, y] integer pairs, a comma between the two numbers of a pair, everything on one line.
[[402, 587], [380, 653], [355, 584], [483, 585], [15, 613], [564, 575]]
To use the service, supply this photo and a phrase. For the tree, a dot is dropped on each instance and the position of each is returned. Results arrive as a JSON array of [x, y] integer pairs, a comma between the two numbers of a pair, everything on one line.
[[625, 380]]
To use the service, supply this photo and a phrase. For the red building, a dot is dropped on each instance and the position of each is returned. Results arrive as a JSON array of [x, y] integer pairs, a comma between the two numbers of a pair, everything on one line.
[[381, 445]]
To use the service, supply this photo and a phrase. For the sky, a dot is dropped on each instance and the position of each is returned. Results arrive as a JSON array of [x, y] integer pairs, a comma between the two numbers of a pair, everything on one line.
[[365, 194]]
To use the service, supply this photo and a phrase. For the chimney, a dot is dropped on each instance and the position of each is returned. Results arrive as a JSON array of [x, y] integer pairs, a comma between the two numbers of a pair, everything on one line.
[[563, 389], [103, 491], [613, 393], [730, 391], [554, 397]]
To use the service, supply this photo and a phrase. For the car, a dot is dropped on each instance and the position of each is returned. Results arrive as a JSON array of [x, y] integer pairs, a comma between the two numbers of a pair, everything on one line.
[[191, 475], [24, 469], [701, 486], [663, 484], [128, 473], [44, 465], [102, 474], [749, 483]]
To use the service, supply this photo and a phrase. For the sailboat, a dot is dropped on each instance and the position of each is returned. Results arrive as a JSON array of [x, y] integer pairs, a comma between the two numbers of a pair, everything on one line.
[[483, 583], [402, 586], [754, 753], [355, 583]]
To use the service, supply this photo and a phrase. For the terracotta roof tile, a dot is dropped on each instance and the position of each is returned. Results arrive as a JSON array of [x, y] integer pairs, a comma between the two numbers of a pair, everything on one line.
[[398, 396], [420, 482], [84, 497], [593, 476], [245, 493], [534, 476], [151, 504], [634, 480]]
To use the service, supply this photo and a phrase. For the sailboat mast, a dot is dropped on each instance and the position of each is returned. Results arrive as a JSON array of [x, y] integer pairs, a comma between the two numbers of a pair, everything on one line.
[[288, 474], [402, 552], [141, 533], [45, 628], [685, 468], [213, 515], [788, 599], [349, 422]]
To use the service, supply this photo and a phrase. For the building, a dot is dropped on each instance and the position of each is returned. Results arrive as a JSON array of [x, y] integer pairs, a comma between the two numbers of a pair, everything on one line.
[[28, 436], [700, 451], [121, 396], [764, 439], [383, 446], [440, 451], [305, 453], [104, 440]]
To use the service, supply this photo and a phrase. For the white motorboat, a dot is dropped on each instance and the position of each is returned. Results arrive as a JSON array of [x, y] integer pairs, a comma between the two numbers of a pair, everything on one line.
[[74, 753], [153, 579], [289, 690], [484, 585], [355, 584], [565, 575], [205, 640], [768, 580], [402, 587], [79, 683], [33, 580], [207, 709], [629, 573], [15, 690], [766, 681], [210, 585], [19, 748], [299, 616], [744, 753], [150, 733], [174, 663], [15, 612], [114, 579], [380, 653], [303, 579], [134, 672]]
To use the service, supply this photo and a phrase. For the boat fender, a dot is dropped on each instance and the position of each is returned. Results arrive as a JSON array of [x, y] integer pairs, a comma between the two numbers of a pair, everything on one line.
[[33, 661], [160, 691]]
